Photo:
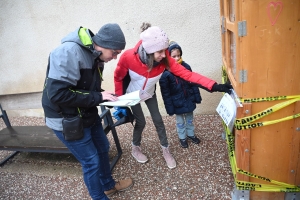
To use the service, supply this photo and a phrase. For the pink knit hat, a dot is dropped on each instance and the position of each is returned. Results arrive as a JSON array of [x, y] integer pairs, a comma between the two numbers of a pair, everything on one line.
[[154, 39]]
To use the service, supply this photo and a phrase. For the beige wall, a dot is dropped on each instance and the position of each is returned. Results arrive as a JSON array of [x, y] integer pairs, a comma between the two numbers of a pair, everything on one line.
[[31, 29]]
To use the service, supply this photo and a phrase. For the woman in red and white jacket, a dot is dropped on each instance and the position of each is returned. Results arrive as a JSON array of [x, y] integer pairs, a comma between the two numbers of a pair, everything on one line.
[[140, 68]]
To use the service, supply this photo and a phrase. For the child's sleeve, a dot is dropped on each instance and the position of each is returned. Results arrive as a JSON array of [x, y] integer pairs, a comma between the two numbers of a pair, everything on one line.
[[166, 94]]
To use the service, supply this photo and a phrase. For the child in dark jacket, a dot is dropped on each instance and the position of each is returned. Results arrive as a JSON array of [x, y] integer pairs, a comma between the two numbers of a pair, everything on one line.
[[180, 98]]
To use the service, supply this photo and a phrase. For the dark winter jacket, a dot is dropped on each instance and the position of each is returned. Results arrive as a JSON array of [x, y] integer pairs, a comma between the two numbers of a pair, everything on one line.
[[69, 87], [179, 96]]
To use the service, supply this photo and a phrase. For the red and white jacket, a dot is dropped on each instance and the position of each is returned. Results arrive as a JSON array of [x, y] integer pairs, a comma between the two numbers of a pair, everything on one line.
[[142, 78]]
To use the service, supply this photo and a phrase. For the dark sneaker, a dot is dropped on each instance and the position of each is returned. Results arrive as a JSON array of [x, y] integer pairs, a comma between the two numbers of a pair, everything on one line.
[[183, 143], [194, 139]]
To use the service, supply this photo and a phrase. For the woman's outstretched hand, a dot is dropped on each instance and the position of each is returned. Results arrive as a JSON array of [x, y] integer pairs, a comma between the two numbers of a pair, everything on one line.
[[221, 88]]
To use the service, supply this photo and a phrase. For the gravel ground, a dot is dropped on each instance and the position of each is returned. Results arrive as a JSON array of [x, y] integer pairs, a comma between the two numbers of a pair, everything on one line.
[[203, 171]]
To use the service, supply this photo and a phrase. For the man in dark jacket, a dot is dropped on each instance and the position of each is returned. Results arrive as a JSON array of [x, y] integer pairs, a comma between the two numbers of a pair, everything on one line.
[[72, 92]]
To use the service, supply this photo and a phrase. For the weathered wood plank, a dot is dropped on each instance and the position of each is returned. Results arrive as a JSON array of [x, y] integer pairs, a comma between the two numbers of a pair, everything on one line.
[[266, 59], [33, 138], [30, 138], [242, 143]]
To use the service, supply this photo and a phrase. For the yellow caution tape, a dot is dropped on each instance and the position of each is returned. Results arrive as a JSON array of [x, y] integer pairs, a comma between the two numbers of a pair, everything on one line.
[[276, 98], [258, 124], [247, 120], [244, 185], [247, 123]]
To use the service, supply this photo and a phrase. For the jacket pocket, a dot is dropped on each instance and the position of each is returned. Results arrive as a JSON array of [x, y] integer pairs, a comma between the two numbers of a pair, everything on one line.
[[178, 100], [191, 95]]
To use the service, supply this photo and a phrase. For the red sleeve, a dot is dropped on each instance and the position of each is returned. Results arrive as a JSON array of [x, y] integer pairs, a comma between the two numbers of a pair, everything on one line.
[[119, 74], [187, 75]]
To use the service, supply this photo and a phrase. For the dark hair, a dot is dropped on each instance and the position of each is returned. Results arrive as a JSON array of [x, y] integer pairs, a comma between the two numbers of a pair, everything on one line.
[[145, 26], [150, 60]]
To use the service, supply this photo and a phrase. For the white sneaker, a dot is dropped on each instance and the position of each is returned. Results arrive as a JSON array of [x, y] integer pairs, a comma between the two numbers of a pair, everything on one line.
[[168, 157], [138, 155]]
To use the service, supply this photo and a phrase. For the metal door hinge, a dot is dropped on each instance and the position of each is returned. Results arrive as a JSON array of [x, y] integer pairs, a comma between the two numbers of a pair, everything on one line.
[[240, 194], [243, 76], [223, 25], [242, 28], [292, 196]]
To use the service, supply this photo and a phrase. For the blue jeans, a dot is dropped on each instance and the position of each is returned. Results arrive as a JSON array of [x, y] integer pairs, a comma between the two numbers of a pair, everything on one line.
[[184, 125], [92, 153]]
